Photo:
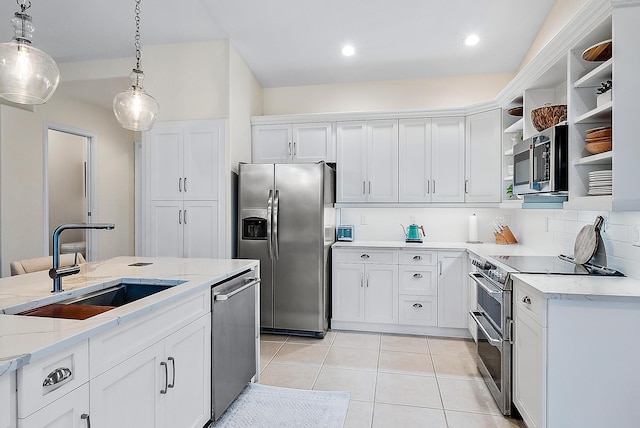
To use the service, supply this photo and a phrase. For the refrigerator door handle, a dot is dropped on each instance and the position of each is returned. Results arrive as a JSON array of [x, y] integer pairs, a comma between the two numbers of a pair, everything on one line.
[[269, 217], [276, 207]]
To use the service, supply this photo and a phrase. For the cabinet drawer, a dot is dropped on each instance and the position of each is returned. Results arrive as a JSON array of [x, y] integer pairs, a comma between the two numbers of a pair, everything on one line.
[[530, 301], [66, 370], [418, 257], [419, 280], [121, 342], [418, 310], [366, 255], [66, 412]]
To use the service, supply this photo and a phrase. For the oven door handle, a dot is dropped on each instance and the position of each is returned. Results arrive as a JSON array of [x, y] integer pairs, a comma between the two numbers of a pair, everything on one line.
[[492, 341], [492, 291]]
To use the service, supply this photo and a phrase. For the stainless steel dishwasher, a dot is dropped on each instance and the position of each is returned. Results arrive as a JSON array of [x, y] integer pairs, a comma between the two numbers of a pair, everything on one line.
[[233, 341]]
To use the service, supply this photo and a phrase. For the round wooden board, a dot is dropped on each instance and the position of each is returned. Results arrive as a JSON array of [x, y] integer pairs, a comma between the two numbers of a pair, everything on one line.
[[586, 244], [599, 52]]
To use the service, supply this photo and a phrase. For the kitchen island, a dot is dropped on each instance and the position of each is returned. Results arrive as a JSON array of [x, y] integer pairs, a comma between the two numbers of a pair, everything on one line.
[[137, 341]]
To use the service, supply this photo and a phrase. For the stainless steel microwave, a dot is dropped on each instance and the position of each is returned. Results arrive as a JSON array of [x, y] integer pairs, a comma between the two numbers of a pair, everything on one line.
[[540, 163]]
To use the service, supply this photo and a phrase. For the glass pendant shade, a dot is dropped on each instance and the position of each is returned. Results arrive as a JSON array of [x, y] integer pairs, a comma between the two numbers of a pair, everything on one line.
[[27, 74], [134, 108]]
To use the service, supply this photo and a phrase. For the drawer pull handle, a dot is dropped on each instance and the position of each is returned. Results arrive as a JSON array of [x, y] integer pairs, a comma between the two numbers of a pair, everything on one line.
[[86, 416], [417, 275], [57, 378], [417, 305], [364, 256], [417, 258], [526, 300]]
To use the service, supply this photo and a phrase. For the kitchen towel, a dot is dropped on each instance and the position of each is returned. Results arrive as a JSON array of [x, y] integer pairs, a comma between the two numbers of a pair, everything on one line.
[[263, 406], [473, 228]]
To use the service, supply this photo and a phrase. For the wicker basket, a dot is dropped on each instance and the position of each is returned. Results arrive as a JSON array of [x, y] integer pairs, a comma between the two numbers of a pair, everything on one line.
[[547, 116]]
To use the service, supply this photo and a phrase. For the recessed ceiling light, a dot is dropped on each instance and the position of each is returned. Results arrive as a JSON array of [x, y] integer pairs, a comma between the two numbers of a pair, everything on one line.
[[471, 40], [348, 50]]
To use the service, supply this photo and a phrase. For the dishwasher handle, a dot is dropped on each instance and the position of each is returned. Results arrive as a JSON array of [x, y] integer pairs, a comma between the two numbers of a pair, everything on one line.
[[221, 297]]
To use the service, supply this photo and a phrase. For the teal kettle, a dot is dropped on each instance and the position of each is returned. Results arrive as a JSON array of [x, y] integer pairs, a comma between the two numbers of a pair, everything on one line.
[[412, 233]]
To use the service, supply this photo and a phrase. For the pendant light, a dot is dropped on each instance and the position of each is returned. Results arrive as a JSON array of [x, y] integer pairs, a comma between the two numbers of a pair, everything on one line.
[[134, 108], [27, 74]]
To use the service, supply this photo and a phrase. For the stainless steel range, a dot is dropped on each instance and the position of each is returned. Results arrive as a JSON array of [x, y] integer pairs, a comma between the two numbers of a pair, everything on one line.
[[493, 313]]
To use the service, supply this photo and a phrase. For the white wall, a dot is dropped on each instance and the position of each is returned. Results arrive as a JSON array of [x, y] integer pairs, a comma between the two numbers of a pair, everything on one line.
[[22, 172], [561, 12], [412, 94]]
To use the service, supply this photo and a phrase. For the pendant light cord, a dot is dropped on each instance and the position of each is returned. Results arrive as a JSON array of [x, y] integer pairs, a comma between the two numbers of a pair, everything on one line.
[[137, 43]]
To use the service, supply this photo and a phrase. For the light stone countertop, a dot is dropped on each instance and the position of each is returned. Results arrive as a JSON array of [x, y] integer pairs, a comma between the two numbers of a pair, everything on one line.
[[577, 287], [24, 338]]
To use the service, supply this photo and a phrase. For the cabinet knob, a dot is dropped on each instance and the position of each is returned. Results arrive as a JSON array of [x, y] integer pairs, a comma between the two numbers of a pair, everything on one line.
[[417, 257], [417, 275], [417, 305], [526, 300], [364, 256], [86, 416]]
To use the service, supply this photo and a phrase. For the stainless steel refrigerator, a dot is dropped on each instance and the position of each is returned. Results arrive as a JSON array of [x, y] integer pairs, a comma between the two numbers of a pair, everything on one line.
[[286, 219]]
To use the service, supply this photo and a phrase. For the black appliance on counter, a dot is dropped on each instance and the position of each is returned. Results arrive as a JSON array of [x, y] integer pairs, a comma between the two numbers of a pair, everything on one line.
[[493, 314]]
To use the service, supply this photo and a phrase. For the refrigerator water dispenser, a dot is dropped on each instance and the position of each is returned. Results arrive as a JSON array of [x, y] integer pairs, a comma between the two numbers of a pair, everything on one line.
[[254, 228]]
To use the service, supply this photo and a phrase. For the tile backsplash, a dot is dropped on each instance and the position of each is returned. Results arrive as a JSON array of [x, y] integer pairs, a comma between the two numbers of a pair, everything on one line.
[[552, 231]]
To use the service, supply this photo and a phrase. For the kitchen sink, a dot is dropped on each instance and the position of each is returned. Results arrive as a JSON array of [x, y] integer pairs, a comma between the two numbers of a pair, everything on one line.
[[119, 295], [98, 301]]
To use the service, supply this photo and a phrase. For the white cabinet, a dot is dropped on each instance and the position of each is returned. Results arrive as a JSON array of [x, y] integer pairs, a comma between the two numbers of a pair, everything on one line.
[[365, 286], [573, 360], [400, 290], [184, 229], [447, 159], [418, 300], [367, 161], [414, 149], [431, 160], [8, 401], [452, 289], [483, 177], [164, 385], [69, 411], [183, 194], [299, 143]]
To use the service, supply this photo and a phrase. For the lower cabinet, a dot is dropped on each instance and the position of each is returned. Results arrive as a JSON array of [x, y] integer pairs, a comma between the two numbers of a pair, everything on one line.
[[452, 290], [165, 385], [366, 291], [70, 411], [152, 372], [573, 357], [8, 400], [405, 287]]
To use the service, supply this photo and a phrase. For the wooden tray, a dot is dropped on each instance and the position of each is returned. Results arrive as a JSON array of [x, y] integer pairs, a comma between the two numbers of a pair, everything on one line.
[[595, 148], [516, 111], [599, 52], [74, 312]]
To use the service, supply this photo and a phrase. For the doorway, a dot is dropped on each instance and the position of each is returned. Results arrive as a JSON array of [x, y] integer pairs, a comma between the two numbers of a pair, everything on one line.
[[69, 188]]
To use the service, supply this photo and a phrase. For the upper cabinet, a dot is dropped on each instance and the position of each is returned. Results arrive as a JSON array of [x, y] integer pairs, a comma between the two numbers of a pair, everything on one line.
[[367, 167], [299, 143], [483, 175], [431, 164]]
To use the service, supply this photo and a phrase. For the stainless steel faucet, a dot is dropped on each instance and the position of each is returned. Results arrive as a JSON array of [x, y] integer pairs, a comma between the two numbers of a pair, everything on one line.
[[56, 273]]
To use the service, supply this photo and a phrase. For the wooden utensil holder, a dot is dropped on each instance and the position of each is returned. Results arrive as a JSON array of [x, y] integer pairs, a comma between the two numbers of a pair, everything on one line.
[[505, 237]]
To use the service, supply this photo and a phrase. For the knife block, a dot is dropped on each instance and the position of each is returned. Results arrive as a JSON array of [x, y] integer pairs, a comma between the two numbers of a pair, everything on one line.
[[505, 237]]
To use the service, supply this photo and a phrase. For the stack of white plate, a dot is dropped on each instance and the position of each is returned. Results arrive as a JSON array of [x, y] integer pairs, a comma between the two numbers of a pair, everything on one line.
[[600, 183]]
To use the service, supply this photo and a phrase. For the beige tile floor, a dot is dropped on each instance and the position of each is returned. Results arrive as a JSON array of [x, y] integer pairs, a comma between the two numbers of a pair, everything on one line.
[[394, 380]]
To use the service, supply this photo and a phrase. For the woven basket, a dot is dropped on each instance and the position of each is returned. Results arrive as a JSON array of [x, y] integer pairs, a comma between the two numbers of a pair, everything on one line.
[[548, 116]]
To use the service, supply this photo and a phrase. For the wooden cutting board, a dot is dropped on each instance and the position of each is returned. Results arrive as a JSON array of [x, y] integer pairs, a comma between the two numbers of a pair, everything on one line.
[[599, 52], [587, 241]]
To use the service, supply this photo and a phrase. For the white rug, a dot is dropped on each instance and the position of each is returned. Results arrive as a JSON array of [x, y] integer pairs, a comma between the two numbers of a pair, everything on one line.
[[269, 407]]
